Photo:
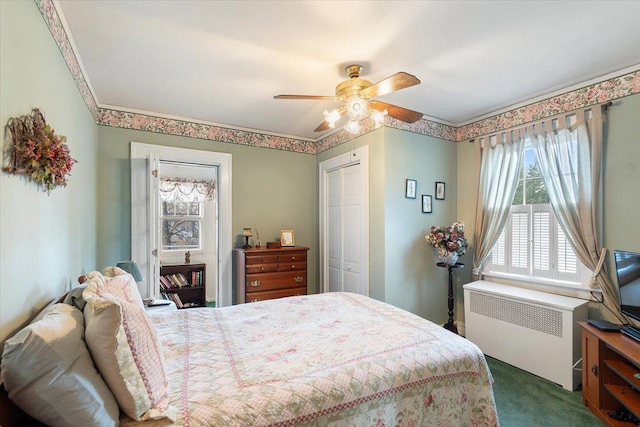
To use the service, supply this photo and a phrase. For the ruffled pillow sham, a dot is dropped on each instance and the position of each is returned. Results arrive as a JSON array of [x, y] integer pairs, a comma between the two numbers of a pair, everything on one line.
[[126, 348]]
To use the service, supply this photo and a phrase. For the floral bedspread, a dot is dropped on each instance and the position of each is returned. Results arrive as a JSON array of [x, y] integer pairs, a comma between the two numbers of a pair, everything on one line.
[[333, 359]]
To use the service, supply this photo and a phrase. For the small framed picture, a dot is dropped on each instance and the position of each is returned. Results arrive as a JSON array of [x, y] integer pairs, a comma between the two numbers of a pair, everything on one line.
[[286, 238], [426, 203], [439, 190], [410, 189]]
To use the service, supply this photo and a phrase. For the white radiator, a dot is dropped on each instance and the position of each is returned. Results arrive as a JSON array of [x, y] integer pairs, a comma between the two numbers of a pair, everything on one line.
[[534, 331]]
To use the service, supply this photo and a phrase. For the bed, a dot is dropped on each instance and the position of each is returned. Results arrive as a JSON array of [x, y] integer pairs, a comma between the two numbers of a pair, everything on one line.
[[334, 359]]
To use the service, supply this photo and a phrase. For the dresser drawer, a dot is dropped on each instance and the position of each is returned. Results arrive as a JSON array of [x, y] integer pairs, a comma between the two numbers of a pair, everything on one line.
[[280, 293], [293, 257], [271, 281], [261, 259], [290, 266], [264, 273], [261, 268]]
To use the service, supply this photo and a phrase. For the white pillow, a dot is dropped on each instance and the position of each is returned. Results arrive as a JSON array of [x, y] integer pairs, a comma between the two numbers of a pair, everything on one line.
[[119, 283], [127, 352], [48, 372]]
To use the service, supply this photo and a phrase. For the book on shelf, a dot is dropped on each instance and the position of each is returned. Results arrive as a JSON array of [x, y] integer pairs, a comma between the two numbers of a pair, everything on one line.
[[165, 283], [196, 278], [176, 299], [183, 280]]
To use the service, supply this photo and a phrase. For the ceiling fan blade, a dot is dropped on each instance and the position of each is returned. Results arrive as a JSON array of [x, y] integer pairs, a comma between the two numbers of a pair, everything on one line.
[[403, 114], [315, 97], [322, 127], [395, 82]]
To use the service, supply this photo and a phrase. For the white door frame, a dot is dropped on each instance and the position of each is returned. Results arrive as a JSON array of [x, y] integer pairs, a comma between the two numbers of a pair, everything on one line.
[[140, 247], [361, 156]]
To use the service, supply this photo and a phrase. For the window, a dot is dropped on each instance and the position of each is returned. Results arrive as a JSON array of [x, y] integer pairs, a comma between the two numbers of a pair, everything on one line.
[[181, 224], [532, 243]]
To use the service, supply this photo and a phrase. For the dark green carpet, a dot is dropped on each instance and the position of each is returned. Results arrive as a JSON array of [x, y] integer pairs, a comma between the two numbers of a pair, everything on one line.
[[525, 400]]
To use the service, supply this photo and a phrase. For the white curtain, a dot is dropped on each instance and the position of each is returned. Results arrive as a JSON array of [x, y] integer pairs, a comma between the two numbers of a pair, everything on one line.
[[569, 151], [185, 190], [500, 164]]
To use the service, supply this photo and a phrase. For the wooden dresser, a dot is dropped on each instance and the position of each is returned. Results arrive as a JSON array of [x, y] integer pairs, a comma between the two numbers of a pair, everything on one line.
[[610, 371], [270, 273]]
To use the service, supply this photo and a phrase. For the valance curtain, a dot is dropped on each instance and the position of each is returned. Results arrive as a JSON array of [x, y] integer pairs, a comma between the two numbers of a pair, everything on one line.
[[500, 164], [186, 190]]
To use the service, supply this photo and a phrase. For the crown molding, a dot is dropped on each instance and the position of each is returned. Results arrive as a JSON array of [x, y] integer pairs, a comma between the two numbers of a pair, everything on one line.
[[602, 89]]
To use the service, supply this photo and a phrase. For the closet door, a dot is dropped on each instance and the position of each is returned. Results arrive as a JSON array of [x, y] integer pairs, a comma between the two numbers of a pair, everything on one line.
[[334, 230], [344, 224]]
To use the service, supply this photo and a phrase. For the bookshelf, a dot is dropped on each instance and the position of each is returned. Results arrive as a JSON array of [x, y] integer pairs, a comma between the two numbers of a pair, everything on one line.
[[184, 284]]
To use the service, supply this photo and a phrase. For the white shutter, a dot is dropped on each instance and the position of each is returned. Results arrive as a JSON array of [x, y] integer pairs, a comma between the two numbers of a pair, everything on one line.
[[568, 265], [520, 236], [499, 252], [542, 248]]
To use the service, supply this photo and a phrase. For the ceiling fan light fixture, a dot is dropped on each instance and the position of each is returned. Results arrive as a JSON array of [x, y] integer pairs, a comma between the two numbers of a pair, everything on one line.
[[378, 117], [353, 127], [358, 94], [331, 117], [357, 108]]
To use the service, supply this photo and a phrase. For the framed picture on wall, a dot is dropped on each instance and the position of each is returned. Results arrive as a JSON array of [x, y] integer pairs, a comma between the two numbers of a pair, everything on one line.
[[439, 190], [286, 238], [410, 188], [426, 203]]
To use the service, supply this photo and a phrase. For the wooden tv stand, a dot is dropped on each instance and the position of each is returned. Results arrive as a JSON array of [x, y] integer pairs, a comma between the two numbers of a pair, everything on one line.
[[609, 362]]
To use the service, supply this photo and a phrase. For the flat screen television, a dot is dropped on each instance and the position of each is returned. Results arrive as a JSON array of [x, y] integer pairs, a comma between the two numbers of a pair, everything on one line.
[[628, 274]]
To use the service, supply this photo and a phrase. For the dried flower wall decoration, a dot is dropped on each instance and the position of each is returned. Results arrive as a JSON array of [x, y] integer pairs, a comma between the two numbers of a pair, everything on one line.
[[37, 152]]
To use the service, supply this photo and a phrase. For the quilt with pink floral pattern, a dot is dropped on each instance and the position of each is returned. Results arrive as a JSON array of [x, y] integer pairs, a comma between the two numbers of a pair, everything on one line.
[[335, 359]]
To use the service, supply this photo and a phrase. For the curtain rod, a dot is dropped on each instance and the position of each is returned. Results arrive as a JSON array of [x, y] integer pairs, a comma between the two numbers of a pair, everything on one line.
[[605, 106]]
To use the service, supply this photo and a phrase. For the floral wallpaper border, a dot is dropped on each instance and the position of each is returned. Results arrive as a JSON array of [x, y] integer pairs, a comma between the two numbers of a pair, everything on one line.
[[608, 90], [604, 91], [51, 18], [148, 123]]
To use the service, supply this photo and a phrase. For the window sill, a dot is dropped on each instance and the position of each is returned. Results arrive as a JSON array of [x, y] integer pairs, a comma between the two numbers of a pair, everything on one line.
[[558, 287]]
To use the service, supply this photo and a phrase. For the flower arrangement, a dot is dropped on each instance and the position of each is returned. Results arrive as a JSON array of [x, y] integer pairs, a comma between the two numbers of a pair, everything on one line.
[[38, 152], [448, 239]]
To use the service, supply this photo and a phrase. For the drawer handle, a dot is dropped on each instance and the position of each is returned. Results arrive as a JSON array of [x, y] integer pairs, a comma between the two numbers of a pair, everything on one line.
[[594, 369], [298, 279], [261, 259], [293, 267], [293, 258], [255, 283], [262, 269]]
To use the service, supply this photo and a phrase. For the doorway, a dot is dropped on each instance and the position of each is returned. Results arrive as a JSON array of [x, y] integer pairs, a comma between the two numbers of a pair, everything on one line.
[[344, 223], [148, 164]]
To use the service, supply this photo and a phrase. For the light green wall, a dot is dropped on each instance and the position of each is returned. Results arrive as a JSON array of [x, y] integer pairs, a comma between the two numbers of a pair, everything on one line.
[[46, 242], [402, 268], [621, 193], [622, 175], [272, 190], [413, 281]]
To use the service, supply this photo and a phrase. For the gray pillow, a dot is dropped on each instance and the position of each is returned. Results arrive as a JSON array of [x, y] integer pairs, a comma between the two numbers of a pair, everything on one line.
[[48, 372], [74, 297]]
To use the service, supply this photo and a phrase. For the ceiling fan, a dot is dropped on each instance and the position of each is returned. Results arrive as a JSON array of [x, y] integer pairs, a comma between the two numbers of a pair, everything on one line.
[[356, 93]]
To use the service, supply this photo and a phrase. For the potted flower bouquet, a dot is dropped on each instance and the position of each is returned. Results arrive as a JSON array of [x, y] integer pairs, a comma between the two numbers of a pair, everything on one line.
[[449, 242]]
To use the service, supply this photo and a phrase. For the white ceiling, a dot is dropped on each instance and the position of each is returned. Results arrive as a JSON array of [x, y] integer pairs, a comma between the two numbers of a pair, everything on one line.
[[223, 61]]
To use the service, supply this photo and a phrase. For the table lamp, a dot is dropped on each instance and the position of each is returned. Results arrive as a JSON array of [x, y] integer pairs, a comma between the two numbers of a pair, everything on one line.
[[132, 268], [246, 233]]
